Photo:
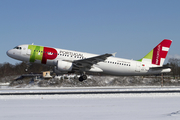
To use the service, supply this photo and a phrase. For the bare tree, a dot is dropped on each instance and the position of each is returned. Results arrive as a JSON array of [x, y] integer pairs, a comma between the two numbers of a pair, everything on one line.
[[7, 69], [175, 66]]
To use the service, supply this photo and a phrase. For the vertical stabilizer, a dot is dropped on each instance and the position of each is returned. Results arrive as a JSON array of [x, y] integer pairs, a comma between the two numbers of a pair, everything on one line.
[[158, 54]]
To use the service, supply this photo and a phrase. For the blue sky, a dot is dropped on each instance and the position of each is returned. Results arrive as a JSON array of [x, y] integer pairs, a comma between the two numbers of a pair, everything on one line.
[[132, 28]]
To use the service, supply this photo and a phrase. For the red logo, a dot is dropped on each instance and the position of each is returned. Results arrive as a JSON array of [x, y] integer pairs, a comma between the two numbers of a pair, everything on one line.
[[49, 54]]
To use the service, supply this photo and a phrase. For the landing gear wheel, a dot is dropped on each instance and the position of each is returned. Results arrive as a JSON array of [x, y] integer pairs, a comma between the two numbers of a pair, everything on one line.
[[27, 66], [83, 77], [26, 70], [80, 78]]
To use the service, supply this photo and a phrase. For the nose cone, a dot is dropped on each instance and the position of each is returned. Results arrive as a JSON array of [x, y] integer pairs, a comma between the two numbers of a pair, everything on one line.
[[10, 53]]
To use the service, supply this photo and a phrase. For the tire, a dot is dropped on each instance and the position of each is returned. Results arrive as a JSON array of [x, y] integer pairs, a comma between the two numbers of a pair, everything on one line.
[[26, 70], [80, 78], [84, 77]]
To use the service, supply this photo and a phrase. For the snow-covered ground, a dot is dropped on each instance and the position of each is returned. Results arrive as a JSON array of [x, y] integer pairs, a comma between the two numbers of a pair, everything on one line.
[[91, 107], [93, 81]]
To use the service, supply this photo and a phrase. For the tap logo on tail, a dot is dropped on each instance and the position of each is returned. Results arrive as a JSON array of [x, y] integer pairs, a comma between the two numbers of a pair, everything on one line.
[[158, 54]]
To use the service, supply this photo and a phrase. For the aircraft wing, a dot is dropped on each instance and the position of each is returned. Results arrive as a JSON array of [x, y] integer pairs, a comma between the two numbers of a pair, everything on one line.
[[86, 64]]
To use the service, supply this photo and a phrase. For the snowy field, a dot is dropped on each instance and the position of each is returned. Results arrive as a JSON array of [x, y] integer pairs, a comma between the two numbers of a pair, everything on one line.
[[91, 107]]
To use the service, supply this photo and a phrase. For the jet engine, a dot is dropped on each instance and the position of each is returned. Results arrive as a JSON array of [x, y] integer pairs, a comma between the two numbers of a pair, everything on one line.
[[64, 66]]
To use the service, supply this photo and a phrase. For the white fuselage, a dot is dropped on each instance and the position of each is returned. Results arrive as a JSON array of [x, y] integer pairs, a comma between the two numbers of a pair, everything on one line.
[[111, 66]]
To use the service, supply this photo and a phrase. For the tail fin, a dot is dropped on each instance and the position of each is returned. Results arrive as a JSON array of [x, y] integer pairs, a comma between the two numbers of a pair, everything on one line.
[[158, 54]]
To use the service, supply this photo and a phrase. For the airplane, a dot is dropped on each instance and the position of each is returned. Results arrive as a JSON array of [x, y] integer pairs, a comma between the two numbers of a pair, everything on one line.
[[68, 61]]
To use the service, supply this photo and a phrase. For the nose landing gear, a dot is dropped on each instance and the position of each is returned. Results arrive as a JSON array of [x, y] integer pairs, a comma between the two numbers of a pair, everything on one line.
[[27, 66]]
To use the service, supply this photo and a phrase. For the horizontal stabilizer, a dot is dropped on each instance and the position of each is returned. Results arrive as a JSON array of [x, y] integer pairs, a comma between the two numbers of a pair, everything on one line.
[[160, 68]]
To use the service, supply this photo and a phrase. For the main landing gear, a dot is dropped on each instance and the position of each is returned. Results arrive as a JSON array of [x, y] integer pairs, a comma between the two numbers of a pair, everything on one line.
[[82, 77]]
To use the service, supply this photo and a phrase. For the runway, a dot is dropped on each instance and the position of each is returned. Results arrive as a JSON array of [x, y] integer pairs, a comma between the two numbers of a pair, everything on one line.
[[88, 90], [127, 103]]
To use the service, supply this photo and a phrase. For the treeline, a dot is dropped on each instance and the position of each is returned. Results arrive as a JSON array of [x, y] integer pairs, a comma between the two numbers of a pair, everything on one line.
[[7, 69], [174, 63]]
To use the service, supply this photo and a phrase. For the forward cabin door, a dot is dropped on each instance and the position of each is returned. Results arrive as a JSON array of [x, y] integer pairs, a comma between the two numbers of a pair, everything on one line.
[[24, 50], [29, 51]]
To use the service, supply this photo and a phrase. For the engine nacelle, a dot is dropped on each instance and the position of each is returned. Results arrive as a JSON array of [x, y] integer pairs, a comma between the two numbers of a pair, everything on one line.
[[64, 66]]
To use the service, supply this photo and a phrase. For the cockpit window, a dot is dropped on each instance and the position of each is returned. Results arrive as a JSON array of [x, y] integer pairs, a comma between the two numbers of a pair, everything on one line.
[[18, 48]]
